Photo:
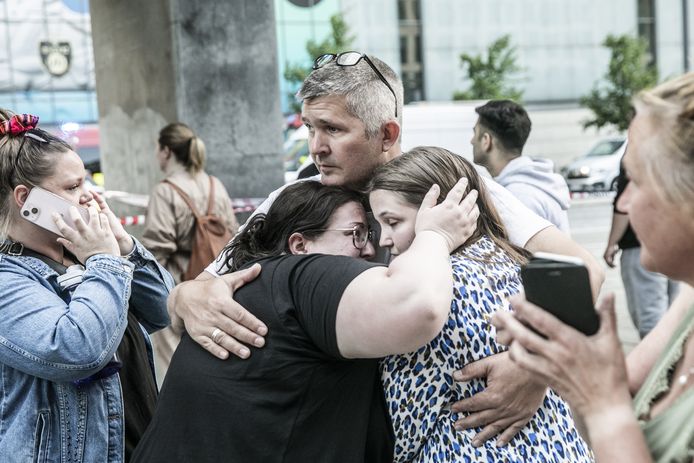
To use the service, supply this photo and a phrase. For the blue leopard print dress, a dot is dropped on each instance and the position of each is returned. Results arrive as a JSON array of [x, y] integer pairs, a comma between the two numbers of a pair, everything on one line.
[[419, 386]]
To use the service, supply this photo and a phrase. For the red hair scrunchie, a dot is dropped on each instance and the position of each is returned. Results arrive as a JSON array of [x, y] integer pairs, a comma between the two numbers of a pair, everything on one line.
[[18, 124]]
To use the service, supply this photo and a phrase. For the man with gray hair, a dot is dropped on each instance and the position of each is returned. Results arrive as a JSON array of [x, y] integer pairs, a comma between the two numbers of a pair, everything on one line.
[[352, 106]]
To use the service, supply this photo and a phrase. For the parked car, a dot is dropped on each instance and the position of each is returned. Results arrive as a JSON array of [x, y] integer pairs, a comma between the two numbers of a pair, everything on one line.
[[598, 169], [295, 153]]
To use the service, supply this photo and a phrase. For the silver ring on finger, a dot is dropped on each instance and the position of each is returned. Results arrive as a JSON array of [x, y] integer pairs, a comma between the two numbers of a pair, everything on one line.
[[217, 335]]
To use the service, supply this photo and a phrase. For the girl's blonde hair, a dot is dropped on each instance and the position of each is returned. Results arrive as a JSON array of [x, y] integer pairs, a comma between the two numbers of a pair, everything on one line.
[[412, 174]]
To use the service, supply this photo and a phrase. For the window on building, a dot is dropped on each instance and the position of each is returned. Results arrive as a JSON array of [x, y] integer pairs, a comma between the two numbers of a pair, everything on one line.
[[646, 27], [410, 25]]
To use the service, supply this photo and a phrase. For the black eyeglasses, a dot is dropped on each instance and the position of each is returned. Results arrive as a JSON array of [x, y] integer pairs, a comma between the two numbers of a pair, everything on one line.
[[33, 136], [351, 58], [360, 234]]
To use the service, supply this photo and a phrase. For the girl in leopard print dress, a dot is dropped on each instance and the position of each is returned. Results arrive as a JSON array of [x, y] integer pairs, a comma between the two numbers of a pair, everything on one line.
[[419, 386]]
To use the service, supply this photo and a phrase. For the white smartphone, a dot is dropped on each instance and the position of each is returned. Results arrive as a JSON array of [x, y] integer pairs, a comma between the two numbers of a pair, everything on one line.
[[40, 206]]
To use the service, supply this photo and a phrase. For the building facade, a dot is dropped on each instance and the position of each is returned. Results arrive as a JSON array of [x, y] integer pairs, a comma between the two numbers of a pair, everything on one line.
[[558, 42], [47, 65]]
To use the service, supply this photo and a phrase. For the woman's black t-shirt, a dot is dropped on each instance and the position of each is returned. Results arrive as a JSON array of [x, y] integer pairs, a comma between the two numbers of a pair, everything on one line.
[[295, 400]]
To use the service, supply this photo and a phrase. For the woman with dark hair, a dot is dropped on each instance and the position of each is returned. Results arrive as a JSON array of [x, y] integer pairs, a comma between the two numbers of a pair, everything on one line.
[[419, 386], [75, 361], [305, 396], [170, 222]]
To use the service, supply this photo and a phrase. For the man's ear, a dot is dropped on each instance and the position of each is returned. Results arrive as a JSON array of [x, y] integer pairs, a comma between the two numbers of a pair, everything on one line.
[[297, 243], [20, 194], [487, 141], [391, 134]]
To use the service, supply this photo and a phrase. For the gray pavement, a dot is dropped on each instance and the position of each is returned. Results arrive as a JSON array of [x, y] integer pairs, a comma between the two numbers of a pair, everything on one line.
[[590, 220]]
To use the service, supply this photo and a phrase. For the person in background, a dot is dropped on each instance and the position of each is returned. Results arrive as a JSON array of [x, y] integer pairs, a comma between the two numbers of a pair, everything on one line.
[[170, 223], [498, 138], [590, 372], [75, 359], [649, 294]]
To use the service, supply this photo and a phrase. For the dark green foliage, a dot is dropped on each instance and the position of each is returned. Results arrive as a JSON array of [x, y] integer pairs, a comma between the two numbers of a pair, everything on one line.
[[338, 41], [628, 73], [491, 77]]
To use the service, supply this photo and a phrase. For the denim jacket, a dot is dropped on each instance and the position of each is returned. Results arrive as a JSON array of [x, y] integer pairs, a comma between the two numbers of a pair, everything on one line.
[[51, 337]]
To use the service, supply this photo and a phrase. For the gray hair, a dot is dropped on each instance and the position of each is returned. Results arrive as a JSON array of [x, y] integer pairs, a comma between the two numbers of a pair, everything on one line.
[[368, 98], [30, 167], [670, 158]]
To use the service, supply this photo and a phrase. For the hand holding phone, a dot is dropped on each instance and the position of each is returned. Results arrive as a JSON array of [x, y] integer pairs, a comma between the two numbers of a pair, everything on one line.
[[561, 285], [40, 206]]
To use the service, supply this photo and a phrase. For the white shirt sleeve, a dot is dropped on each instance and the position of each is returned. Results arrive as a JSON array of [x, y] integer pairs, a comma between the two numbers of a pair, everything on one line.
[[521, 223], [218, 266]]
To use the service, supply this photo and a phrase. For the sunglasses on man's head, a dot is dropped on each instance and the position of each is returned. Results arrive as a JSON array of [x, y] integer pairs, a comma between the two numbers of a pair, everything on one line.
[[351, 58]]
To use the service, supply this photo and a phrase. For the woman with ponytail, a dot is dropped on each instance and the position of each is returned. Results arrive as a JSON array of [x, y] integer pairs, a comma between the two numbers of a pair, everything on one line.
[[170, 223]]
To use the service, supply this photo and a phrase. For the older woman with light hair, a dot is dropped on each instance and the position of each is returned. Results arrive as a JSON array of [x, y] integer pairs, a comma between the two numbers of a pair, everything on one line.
[[591, 373]]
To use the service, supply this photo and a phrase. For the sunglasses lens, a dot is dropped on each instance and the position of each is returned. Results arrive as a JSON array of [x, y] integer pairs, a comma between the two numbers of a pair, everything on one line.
[[349, 58], [35, 137], [322, 60]]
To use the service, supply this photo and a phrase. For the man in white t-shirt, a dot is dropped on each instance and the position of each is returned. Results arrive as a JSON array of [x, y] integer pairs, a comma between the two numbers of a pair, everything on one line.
[[352, 106]]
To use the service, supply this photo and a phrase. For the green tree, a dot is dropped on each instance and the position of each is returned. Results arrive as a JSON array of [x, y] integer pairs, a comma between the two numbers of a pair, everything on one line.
[[338, 41], [491, 76], [628, 73]]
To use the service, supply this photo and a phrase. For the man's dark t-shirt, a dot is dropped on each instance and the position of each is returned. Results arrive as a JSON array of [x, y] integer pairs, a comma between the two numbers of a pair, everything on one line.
[[295, 400]]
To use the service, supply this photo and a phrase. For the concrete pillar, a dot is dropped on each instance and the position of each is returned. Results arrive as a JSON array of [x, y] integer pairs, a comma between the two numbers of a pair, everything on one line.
[[211, 64]]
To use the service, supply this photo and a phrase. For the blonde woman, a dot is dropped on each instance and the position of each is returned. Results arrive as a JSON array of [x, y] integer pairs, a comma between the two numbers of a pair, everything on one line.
[[591, 373]]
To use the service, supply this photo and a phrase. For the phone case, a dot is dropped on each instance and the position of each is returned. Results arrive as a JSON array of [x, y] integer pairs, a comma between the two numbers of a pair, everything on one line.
[[41, 204], [563, 289]]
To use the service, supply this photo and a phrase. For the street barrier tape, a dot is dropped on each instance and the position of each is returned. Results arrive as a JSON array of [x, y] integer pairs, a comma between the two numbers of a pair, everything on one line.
[[132, 220], [239, 205]]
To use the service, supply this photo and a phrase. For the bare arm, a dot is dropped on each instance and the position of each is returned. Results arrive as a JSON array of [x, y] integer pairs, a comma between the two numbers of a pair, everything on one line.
[[616, 436], [640, 361], [526, 229], [551, 239], [620, 223], [397, 309]]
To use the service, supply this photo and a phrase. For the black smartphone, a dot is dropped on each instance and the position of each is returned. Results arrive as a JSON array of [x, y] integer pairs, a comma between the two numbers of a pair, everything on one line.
[[560, 285]]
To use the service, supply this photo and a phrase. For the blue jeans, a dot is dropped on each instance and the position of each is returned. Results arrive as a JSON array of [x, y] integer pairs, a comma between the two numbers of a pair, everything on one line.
[[649, 294]]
